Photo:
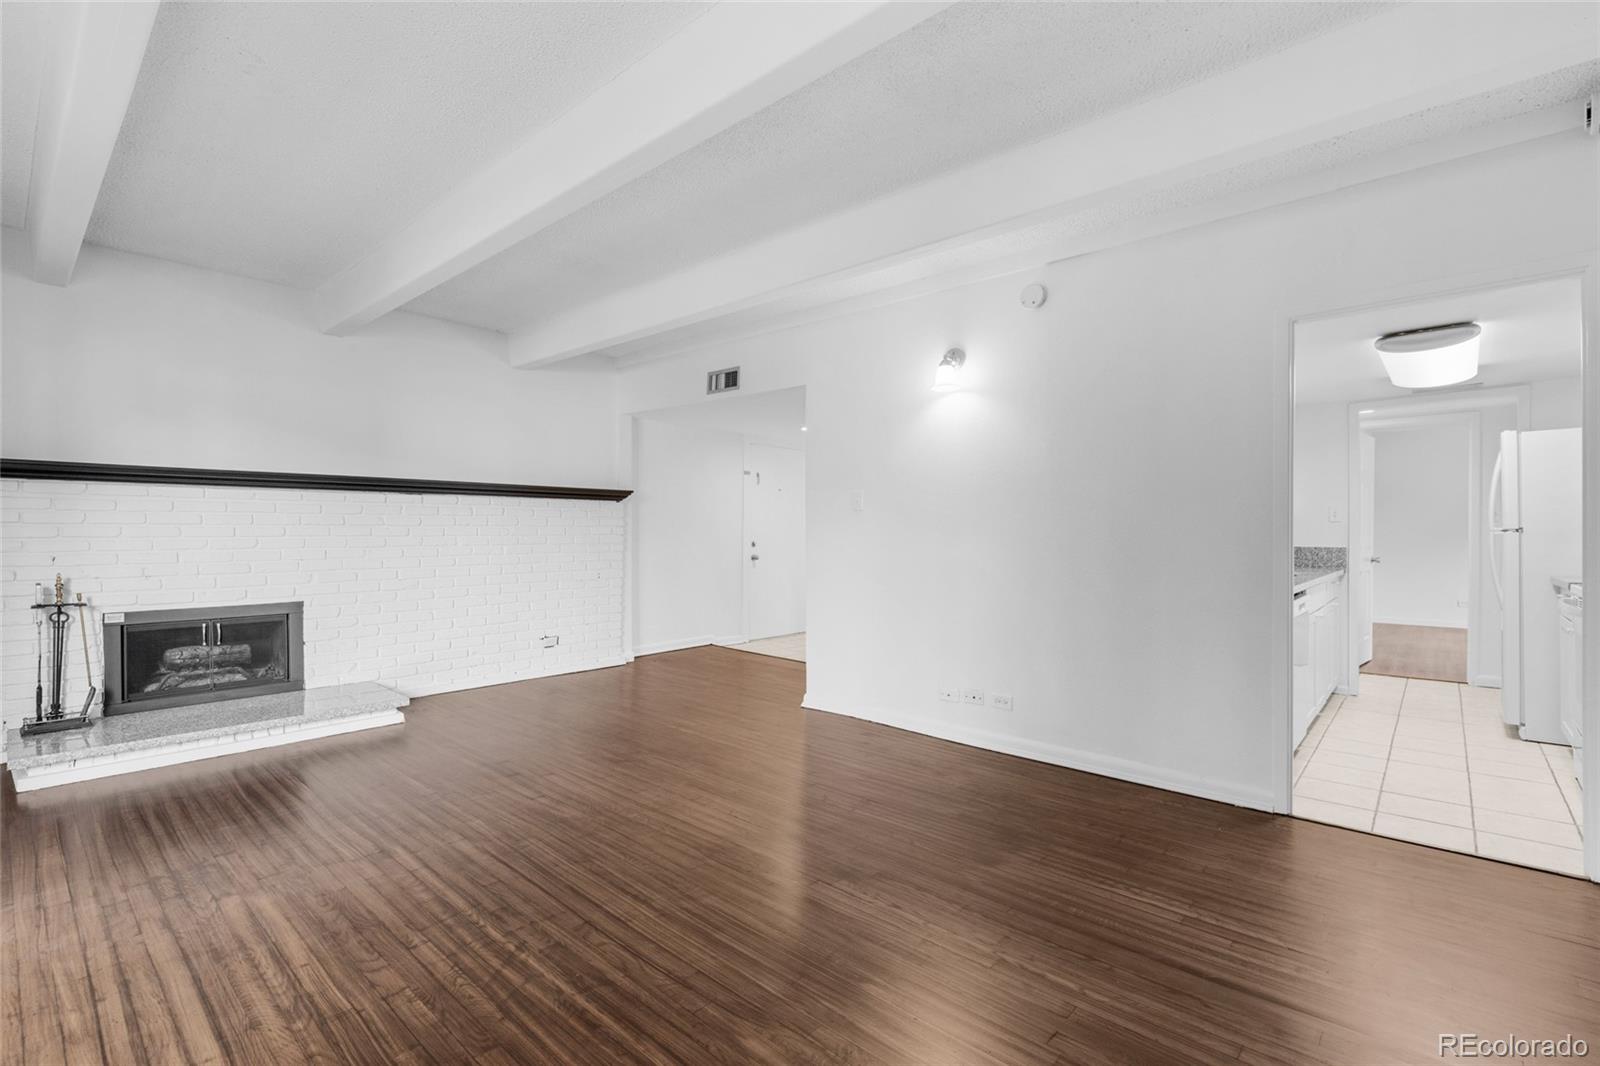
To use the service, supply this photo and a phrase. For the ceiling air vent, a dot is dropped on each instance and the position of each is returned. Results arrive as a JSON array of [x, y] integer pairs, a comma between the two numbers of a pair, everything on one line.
[[722, 380]]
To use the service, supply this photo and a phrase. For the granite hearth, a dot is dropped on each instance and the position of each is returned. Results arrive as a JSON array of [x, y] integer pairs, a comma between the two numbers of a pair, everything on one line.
[[126, 743]]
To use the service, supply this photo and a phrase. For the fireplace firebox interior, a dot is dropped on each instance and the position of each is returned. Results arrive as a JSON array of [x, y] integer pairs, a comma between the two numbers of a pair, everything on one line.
[[174, 657]]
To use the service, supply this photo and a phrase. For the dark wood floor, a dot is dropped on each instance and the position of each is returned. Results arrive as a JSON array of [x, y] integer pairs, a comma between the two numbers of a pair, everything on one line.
[[1429, 653], [671, 862]]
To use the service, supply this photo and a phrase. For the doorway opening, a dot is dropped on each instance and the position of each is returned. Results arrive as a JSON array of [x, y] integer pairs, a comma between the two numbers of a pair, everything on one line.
[[1437, 599], [719, 525], [774, 546], [1417, 545]]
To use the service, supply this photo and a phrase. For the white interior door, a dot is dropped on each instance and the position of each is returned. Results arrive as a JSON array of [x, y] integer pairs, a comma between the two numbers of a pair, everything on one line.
[[1365, 559], [774, 541]]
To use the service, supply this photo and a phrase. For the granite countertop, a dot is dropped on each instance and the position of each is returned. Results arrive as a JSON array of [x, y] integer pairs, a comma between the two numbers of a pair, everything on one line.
[[115, 733], [1311, 577]]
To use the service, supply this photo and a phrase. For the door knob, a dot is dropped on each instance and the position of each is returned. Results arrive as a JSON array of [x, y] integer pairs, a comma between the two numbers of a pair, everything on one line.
[[1376, 559], [753, 558]]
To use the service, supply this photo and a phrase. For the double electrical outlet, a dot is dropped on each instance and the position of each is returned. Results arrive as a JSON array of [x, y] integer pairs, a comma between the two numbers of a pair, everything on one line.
[[974, 697]]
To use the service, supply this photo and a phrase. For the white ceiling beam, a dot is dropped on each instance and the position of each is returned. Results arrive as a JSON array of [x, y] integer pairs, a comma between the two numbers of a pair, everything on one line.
[[1041, 244], [94, 61], [1397, 64], [725, 66]]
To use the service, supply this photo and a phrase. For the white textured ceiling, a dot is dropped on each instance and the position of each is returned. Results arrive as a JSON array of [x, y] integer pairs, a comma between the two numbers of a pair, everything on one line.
[[979, 78], [774, 417], [23, 26], [1531, 332], [282, 140]]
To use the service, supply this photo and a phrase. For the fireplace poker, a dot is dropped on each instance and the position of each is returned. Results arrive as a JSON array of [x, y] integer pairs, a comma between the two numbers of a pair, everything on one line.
[[38, 643], [88, 674], [58, 647]]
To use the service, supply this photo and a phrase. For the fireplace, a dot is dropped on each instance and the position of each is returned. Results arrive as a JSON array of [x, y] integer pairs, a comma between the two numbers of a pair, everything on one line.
[[199, 655]]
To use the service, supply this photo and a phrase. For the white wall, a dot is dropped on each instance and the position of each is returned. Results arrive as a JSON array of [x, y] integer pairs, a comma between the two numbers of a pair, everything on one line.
[[1321, 474], [1089, 527], [1321, 454], [148, 362], [1556, 404], [421, 593], [688, 511], [1419, 526]]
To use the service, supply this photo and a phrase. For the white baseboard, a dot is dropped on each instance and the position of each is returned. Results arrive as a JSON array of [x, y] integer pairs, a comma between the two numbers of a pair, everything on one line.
[[1487, 681], [1430, 623], [92, 768], [691, 642], [1057, 755], [470, 683], [659, 646]]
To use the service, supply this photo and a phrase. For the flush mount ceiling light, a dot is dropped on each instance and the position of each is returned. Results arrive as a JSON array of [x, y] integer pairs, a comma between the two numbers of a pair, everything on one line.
[[947, 378], [1430, 357]]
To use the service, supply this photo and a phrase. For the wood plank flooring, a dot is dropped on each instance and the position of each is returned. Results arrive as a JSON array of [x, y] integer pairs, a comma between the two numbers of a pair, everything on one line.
[[1428, 653], [671, 862]]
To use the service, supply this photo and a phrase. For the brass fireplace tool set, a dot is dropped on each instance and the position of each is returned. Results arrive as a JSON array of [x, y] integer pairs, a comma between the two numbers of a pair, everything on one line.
[[57, 615]]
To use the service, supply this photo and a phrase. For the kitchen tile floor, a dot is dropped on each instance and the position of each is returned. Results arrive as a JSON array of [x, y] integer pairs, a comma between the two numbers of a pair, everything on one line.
[[1431, 762]]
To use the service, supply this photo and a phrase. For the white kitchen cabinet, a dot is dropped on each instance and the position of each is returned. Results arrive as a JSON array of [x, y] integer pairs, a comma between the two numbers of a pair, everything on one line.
[[1319, 639], [1570, 617], [1326, 640]]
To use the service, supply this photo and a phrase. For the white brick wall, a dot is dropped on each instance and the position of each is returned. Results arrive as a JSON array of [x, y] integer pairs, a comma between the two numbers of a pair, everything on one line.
[[421, 593]]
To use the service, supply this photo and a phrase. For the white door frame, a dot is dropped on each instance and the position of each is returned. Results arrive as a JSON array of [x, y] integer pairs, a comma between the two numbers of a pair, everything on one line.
[[1586, 268], [625, 458], [1422, 412]]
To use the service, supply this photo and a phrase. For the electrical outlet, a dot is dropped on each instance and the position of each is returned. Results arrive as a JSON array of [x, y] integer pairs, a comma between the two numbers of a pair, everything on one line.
[[949, 693], [973, 696], [1000, 701], [549, 641]]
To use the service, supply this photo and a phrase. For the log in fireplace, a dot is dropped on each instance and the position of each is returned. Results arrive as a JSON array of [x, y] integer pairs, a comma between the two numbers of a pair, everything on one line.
[[169, 658]]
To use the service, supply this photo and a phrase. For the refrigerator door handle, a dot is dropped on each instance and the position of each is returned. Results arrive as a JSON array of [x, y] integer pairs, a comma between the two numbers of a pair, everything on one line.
[[1494, 565], [1495, 510]]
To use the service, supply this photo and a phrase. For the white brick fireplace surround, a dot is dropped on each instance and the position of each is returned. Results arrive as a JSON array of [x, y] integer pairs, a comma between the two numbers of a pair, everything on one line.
[[422, 593]]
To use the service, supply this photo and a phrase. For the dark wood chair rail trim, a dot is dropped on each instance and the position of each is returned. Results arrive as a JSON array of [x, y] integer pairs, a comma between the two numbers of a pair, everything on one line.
[[45, 470]]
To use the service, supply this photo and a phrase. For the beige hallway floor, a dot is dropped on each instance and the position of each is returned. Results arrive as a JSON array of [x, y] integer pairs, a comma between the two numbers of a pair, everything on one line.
[[1435, 653], [788, 646], [1432, 762]]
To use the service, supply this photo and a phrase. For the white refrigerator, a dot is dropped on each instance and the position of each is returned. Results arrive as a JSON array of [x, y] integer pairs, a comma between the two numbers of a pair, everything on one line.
[[1536, 539]]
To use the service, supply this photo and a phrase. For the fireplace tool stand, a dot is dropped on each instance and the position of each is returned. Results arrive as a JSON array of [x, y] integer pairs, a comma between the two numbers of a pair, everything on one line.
[[56, 615]]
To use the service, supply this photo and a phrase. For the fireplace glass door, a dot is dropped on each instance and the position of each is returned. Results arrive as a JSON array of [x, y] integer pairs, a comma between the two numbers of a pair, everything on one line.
[[182, 658]]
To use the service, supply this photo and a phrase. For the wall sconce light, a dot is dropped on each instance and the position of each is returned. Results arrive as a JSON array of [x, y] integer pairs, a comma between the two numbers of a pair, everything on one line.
[[947, 378]]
